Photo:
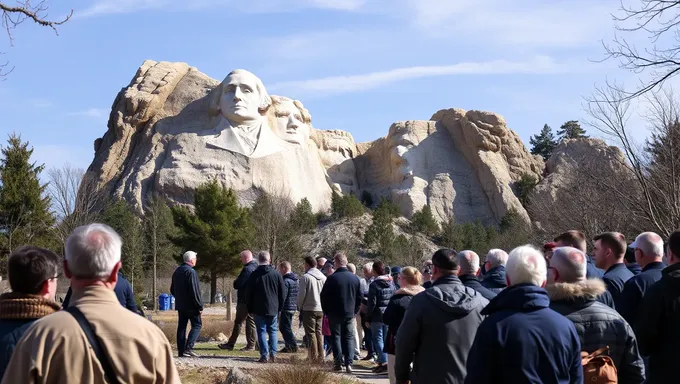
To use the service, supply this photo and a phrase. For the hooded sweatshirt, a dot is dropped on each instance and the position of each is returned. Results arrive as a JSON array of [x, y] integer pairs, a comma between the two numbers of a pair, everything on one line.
[[658, 332], [437, 333], [379, 293], [524, 341], [311, 284]]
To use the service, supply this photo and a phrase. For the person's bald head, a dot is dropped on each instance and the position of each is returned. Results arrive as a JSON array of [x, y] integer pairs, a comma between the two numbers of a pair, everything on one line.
[[568, 264], [648, 248], [320, 262], [468, 263], [246, 256]]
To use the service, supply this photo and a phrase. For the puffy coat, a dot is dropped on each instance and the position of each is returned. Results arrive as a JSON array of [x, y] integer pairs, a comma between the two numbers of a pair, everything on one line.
[[265, 291], [437, 332], [524, 341], [311, 284], [379, 293], [394, 314], [290, 280], [658, 331], [494, 279], [599, 325]]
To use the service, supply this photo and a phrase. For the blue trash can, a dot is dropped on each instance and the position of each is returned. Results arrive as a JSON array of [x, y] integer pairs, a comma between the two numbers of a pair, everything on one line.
[[164, 302]]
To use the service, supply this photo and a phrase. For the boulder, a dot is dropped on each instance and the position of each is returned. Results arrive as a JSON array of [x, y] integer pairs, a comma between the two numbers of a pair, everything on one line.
[[236, 376]]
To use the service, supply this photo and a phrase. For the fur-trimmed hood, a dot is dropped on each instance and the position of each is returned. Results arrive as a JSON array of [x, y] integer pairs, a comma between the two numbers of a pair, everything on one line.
[[585, 290]]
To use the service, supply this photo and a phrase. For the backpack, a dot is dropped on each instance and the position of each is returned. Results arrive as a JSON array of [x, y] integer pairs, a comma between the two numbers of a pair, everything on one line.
[[598, 367]]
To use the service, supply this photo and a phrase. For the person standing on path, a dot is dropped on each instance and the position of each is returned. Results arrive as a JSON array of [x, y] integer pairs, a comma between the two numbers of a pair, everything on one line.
[[242, 315], [265, 292], [290, 280], [188, 303], [340, 300], [33, 276], [379, 294], [309, 304], [59, 348]]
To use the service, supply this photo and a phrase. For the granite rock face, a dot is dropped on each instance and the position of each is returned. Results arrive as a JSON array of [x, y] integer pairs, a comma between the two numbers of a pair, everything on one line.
[[462, 163]]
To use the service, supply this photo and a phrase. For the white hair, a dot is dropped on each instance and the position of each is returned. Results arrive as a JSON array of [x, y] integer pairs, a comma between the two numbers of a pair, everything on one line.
[[214, 102], [570, 263], [497, 257], [368, 267], [92, 251], [188, 256], [468, 262], [264, 258], [526, 265], [650, 244]]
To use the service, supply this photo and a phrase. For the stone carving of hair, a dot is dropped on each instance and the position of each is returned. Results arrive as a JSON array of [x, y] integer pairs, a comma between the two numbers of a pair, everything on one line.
[[265, 99], [278, 100]]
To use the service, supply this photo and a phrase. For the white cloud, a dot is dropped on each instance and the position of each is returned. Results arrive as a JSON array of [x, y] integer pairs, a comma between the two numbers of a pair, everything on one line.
[[356, 83], [95, 113], [106, 7]]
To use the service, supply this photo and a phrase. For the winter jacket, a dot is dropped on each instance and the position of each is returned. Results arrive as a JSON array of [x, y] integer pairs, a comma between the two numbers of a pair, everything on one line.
[[591, 270], [265, 291], [599, 326], [524, 341], [242, 280], [634, 290], [379, 293], [471, 281], [394, 314], [123, 291], [615, 278], [290, 280], [494, 279], [634, 268], [606, 299], [309, 297], [17, 312], [437, 333], [341, 295], [657, 331], [186, 290]]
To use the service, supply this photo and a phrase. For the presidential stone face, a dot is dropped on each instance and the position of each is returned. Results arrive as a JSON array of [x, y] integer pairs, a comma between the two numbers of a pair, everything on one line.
[[292, 120], [242, 100]]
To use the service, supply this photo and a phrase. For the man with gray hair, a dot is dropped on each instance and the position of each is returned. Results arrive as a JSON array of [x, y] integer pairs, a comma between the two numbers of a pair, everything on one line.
[[468, 270], [265, 297], [530, 343], [242, 315], [188, 303], [649, 249], [598, 326], [494, 278], [95, 340]]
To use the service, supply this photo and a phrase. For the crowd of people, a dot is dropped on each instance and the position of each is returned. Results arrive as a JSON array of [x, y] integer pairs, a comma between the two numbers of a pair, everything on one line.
[[550, 315]]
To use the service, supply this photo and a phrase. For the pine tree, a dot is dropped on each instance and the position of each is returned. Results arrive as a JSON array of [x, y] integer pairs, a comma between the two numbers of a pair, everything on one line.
[[571, 130], [380, 234], [543, 143], [218, 230], [25, 217], [158, 229], [525, 187], [122, 218], [424, 222], [303, 218]]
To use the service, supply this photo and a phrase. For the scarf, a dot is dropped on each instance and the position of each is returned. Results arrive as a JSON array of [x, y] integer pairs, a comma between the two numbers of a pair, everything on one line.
[[21, 306]]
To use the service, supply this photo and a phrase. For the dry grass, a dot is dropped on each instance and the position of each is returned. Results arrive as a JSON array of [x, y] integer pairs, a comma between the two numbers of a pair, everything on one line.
[[294, 374], [213, 325], [203, 375]]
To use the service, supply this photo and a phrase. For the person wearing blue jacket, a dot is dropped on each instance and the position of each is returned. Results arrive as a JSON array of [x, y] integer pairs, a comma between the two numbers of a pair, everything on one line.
[[522, 340], [494, 278], [609, 251], [290, 299]]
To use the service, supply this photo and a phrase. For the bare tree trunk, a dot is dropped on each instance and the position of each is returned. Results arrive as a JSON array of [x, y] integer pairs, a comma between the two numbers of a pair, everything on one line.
[[230, 311], [213, 286]]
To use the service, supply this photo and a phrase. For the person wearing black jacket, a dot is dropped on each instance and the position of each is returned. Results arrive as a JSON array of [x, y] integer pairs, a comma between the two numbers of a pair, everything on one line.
[[290, 300], [658, 331], [379, 293], [242, 315], [188, 303], [123, 291], [265, 294], [468, 269], [340, 301]]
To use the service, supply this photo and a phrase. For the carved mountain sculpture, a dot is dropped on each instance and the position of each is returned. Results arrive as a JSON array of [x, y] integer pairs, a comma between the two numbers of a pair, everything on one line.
[[174, 128]]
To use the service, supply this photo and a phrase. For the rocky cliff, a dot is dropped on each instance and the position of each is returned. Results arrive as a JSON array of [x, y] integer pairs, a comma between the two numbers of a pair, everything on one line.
[[463, 164]]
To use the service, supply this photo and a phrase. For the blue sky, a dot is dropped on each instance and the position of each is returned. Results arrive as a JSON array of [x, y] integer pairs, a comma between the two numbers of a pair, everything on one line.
[[357, 65]]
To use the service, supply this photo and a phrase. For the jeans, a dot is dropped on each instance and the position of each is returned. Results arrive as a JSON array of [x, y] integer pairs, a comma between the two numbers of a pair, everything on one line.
[[286, 328], [184, 344], [342, 340], [368, 336], [267, 325], [242, 316], [312, 324], [379, 332]]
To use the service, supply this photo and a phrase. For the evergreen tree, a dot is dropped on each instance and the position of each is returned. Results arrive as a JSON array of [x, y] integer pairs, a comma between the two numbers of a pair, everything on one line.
[[525, 186], [345, 206], [424, 222], [218, 230], [543, 143], [25, 217], [158, 230], [123, 219], [571, 130], [389, 207], [303, 218], [380, 234]]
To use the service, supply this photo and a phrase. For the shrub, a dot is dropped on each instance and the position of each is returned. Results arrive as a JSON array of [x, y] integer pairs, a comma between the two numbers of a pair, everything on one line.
[[423, 221], [294, 374]]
